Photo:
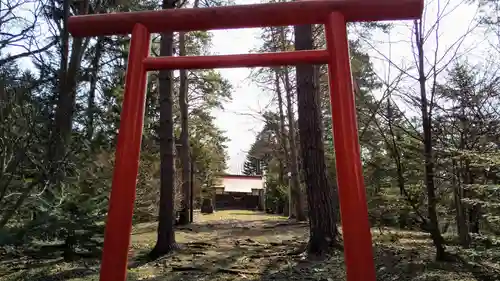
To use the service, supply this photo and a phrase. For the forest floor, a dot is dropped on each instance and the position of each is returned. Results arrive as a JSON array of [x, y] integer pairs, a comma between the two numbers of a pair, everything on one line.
[[243, 245]]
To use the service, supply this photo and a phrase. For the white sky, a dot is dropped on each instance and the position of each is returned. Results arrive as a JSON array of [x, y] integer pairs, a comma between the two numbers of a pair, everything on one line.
[[248, 98]]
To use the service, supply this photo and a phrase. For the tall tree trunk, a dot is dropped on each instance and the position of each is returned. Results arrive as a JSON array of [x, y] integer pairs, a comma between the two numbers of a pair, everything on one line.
[[185, 153], [283, 157], [66, 99], [283, 140], [463, 232], [458, 192], [66, 92], [282, 133], [166, 235], [320, 195], [432, 223], [473, 212], [185, 159], [396, 156], [279, 44], [296, 192], [67, 83], [93, 88], [295, 197]]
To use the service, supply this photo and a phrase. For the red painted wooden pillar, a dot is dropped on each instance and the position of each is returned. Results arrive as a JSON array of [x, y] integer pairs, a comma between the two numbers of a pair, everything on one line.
[[121, 204], [358, 251]]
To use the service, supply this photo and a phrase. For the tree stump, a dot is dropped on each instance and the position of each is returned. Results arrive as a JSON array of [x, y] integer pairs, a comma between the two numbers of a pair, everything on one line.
[[206, 206]]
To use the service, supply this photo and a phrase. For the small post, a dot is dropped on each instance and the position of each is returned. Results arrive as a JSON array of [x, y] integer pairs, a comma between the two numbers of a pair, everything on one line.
[[358, 250], [121, 203]]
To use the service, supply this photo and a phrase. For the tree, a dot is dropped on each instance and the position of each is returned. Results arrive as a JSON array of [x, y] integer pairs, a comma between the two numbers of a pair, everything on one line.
[[166, 218], [69, 66], [22, 131], [184, 139], [322, 217], [18, 32], [65, 201], [426, 106], [465, 121], [251, 167], [428, 63], [283, 138], [277, 39], [265, 147]]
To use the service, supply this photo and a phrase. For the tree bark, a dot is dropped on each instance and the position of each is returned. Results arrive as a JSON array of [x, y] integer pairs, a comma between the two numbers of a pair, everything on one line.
[[473, 214], [184, 151], [432, 223], [60, 137], [67, 88], [166, 236], [282, 133], [458, 192], [296, 198], [283, 138], [93, 89], [320, 195], [296, 192], [463, 232]]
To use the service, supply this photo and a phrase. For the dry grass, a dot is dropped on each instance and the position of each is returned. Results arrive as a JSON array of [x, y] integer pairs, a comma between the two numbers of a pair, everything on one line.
[[243, 245]]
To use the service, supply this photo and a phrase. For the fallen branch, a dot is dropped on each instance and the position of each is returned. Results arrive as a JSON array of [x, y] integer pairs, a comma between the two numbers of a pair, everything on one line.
[[284, 224], [217, 270], [236, 271], [187, 268], [200, 245], [268, 255]]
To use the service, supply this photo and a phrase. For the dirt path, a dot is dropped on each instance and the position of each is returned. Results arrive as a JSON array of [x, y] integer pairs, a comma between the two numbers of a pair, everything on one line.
[[256, 247]]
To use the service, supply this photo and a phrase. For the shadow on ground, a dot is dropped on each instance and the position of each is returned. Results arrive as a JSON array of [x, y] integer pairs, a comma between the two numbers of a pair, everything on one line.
[[265, 250]]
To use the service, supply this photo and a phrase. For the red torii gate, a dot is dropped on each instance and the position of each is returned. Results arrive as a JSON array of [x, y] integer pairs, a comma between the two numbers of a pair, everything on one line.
[[334, 14]]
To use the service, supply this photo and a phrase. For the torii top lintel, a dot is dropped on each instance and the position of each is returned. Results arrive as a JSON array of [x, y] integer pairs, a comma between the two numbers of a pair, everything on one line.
[[245, 16]]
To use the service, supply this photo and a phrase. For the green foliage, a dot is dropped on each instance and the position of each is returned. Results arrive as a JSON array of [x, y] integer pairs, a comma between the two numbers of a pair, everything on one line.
[[64, 204], [70, 221], [252, 166], [265, 149], [23, 132], [276, 195]]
